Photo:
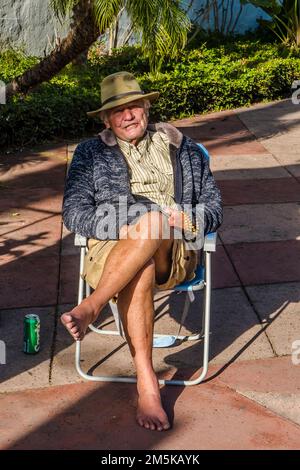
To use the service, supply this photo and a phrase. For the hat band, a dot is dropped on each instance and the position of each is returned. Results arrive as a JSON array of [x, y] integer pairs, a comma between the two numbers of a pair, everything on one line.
[[117, 97]]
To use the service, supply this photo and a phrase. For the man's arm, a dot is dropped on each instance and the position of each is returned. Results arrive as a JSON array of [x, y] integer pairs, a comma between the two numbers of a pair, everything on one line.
[[79, 210], [207, 213], [210, 196], [80, 213]]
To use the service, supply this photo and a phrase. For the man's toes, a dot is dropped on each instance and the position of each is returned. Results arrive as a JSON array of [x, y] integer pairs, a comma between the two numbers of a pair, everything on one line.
[[144, 423], [74, 329], [159, 426], [66, 318], [76, 334], [70, 325], [140, 422], [166, 426], [152, 426]]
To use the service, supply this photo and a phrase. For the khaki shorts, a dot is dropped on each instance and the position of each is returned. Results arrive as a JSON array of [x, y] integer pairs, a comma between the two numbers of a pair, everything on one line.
[[184, 263]]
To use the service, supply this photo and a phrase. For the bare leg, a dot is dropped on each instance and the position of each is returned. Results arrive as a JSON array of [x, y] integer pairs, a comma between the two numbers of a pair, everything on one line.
[[135, 305], [124, 261], [163, 261]]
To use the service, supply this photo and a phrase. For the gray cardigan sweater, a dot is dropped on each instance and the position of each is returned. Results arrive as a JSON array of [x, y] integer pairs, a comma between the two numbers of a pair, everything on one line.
[[98, 181]]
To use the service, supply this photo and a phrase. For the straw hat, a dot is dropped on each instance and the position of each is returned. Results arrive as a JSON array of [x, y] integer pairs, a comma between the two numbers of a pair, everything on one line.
[[120, 88]]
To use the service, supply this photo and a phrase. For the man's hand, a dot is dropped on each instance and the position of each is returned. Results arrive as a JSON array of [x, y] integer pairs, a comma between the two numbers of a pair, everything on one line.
[[176, 218], [179, 219]]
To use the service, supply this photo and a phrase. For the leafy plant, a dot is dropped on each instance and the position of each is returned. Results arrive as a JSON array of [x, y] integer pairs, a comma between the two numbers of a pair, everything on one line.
[[285, 19]]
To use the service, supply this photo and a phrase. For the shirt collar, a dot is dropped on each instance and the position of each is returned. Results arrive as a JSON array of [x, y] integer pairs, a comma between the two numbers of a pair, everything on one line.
[[141, 147]]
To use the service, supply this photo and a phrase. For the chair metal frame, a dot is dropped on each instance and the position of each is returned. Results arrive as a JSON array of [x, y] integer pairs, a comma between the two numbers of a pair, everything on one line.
[[202, 281]]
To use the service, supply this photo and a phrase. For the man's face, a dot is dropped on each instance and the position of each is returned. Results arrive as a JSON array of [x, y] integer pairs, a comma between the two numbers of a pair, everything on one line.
[[128, 121]]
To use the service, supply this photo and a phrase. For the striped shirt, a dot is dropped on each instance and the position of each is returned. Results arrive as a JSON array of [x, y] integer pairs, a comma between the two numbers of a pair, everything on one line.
[[151, 171]]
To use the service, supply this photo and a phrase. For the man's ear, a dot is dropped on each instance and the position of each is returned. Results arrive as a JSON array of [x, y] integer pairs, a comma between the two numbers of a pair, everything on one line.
[[103, 117]]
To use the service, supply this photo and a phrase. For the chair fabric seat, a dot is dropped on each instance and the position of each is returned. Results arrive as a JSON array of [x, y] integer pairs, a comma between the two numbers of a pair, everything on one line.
[[198, 281]]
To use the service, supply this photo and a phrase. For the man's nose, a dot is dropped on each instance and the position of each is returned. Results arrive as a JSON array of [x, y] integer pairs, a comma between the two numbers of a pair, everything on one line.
[[128, 114]]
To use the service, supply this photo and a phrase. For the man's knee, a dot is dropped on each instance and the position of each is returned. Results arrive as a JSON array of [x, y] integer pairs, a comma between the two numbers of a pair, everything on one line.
[[144, 278], [148, 270]]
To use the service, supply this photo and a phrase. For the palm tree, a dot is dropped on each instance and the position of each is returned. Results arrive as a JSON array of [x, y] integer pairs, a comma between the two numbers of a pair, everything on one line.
[[162, 24]]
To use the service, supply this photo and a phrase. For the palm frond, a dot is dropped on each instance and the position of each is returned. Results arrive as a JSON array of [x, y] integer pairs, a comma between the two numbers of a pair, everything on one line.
[[62, 7], [105, 12], [163, 26]]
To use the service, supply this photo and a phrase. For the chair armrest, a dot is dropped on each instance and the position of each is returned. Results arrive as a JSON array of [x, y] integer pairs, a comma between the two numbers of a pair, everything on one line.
[[210, 242], [79, 240]]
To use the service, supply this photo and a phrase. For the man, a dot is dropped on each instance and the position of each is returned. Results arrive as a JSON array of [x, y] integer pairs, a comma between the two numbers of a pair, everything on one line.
[[129, 254]]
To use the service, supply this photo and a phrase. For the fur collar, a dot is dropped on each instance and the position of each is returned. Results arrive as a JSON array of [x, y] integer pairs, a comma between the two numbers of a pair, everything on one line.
[[174, 135]]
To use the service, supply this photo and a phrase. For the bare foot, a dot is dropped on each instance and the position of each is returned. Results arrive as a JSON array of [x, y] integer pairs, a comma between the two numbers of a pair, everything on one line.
[[150, 413], [77, 320]]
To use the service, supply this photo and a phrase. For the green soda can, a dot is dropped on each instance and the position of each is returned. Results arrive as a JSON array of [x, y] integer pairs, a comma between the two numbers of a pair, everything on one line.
[[31, 343]]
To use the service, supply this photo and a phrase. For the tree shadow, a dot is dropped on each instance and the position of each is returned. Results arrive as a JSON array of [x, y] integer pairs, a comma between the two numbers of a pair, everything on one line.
[[14, 247]]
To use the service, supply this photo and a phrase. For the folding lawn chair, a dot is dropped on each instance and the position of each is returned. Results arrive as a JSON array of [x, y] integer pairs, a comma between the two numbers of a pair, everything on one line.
[[201, 281]]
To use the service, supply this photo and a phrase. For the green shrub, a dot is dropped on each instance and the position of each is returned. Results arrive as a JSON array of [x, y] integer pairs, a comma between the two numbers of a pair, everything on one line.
[[210, 78], [53, 112], [14, 63]]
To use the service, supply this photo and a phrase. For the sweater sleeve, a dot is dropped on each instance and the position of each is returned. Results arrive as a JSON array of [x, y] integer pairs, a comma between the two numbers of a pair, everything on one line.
[[208, 194], [80, 212]]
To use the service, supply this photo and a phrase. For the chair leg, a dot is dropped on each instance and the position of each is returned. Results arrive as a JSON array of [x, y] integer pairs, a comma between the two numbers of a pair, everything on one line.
[[207, 307], [87, 289], [82, 283], [189, 299], [114, 308]]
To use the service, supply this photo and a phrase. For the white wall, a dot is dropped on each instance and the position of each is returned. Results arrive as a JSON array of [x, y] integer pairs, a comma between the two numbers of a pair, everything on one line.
[[29, 25]]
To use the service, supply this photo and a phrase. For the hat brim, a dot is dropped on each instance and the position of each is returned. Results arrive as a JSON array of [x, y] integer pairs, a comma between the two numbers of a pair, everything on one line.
[[126, 99]]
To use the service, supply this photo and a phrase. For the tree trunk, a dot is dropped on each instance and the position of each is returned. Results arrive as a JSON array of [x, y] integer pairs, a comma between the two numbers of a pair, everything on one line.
[[115, 45], [82, 35]]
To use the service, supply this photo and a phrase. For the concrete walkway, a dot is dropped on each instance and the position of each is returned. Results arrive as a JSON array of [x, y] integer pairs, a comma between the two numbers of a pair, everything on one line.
[[251, 399]]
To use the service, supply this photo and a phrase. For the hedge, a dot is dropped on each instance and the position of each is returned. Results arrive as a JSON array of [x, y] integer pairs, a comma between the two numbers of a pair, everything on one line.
[[209, 78]]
